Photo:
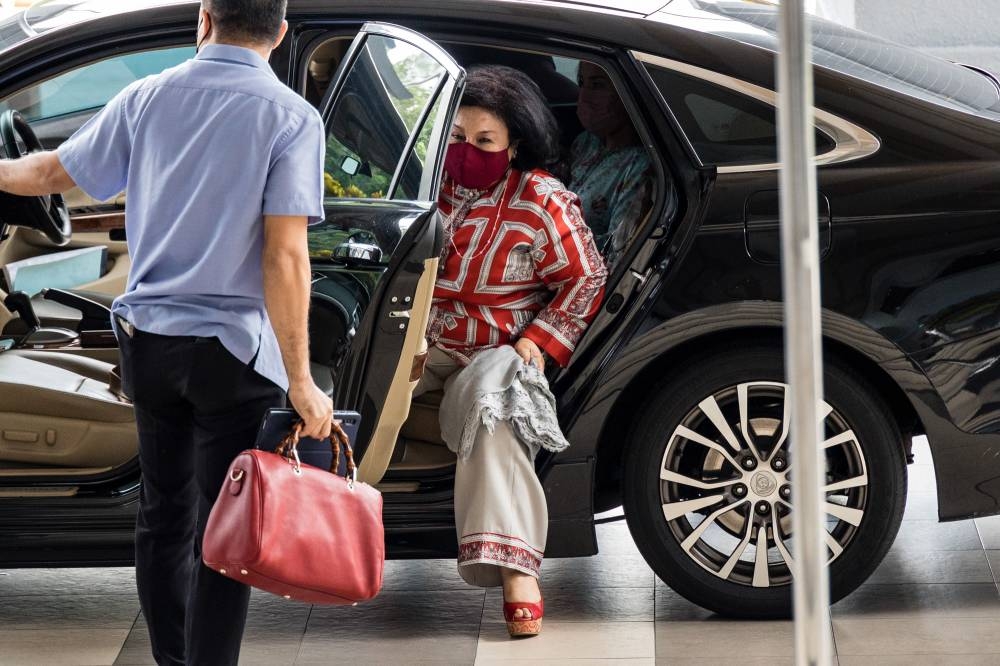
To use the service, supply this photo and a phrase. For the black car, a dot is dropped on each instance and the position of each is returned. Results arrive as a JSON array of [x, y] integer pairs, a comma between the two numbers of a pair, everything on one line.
[[675, 399]]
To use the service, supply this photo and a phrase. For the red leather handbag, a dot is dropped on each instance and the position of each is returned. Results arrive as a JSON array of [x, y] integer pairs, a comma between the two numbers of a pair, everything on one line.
[[295, 530]]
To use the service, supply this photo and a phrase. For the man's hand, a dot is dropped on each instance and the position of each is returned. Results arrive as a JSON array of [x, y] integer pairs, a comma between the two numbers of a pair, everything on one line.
[[37, 174], [315, 408], [529, 351]]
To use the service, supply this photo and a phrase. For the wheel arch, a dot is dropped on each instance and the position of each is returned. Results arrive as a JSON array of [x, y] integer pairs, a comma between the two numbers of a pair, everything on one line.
[[611, 444]]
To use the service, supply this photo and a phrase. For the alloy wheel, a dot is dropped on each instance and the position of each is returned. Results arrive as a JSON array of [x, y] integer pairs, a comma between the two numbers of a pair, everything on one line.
[[725, 484]]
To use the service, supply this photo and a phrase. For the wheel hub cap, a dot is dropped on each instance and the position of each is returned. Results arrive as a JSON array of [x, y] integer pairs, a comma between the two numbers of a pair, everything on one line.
[[763, 484]]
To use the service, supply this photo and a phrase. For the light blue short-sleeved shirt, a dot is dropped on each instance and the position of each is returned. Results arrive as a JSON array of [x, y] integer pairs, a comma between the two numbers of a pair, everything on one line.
[[203, 151]]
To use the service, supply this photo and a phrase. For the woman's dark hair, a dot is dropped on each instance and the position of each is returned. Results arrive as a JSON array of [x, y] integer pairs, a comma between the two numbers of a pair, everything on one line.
[[248, 21], [518, 101]]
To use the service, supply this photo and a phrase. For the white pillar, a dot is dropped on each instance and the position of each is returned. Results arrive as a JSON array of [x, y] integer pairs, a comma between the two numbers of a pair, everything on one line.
[[803, 349]]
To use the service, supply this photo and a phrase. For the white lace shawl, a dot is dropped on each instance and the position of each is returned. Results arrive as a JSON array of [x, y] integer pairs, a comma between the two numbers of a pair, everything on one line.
[[498, 386]]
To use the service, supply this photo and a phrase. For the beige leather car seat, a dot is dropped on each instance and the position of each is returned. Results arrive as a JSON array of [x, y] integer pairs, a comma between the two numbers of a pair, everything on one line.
[[57, 410], [420, 447]]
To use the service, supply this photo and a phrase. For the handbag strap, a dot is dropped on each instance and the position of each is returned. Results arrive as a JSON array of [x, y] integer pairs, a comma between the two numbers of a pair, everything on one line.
[[338, 437], [288, 448]]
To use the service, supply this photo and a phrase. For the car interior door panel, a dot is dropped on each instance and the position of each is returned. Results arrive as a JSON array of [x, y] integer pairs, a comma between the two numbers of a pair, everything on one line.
[[397, 406], [367, 318]]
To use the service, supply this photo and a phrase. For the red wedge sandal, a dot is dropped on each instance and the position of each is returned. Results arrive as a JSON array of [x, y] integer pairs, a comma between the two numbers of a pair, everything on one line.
[[523, 627]]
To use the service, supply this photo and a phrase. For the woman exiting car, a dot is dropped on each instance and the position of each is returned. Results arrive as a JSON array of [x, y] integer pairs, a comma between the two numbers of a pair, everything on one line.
[[520, 279]]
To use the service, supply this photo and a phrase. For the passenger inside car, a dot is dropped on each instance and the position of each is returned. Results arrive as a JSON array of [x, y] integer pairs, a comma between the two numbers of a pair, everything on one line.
[[610, 169], [603, 160]]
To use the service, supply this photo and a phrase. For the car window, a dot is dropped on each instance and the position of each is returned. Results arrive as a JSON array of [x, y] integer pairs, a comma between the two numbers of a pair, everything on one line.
[[90, 87], [724, 127], [386, 99], [568, 67], [415, 159]]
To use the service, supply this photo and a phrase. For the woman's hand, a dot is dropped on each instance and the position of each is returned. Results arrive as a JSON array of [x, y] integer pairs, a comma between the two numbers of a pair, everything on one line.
[[530, 352]]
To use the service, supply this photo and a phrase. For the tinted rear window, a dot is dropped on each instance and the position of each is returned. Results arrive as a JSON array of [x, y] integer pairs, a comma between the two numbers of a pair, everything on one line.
[[725, 128], [851, 52]]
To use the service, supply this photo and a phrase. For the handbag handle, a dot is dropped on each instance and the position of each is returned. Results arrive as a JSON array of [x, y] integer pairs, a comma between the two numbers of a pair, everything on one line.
[[288, 448]]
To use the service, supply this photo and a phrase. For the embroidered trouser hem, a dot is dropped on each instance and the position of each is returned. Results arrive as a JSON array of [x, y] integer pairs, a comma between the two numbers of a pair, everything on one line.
[[500, 511]]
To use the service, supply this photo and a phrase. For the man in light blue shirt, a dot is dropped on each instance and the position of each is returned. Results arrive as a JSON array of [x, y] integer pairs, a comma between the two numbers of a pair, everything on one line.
[[222, 166]]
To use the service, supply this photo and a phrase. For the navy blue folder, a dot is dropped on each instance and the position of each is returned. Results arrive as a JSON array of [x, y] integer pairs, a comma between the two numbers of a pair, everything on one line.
[[278, 423]]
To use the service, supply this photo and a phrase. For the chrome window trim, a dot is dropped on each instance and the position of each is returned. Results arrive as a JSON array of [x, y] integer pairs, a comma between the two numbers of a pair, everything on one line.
[[851, 142]]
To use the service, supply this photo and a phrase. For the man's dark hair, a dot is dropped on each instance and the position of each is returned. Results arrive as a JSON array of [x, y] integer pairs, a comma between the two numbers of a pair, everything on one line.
[[516, 100], [247, 21]]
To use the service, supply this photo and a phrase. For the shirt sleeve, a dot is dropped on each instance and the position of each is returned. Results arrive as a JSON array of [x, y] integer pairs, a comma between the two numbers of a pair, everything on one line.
[[97, 156], [568, 261], [295, 179]]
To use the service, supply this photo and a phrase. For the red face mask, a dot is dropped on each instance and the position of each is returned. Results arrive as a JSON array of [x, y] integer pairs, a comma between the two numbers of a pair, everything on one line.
[[474, 167]]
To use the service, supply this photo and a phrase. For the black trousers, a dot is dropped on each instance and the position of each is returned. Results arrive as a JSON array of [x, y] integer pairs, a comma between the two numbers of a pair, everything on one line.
[[196, 407]]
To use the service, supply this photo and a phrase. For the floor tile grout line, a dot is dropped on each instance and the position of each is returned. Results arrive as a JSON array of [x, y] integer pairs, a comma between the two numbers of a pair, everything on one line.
[[656, 591], [302, 638], [65, 594], [833, 637], [135, 621], [982, 541], [911, 583], [479, 631], [989, 565], [922, 654]]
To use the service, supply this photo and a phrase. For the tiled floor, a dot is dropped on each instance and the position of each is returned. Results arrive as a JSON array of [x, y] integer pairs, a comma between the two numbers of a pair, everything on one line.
[[933, 601]]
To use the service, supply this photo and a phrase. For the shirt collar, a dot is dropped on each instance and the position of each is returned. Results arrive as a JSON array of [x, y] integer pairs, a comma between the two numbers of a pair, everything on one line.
[[230, 53]]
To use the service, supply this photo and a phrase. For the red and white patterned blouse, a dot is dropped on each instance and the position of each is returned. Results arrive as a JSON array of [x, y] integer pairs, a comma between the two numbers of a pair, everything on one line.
[[518, 260]]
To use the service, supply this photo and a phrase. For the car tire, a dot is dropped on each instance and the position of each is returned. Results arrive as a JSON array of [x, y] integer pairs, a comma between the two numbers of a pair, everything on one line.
[[665, 514]]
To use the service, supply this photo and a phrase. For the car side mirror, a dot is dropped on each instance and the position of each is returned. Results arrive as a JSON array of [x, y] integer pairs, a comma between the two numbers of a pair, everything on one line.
[[350, 166]]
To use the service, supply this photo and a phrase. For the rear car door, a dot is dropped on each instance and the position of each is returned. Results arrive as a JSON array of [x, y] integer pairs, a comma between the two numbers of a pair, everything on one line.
[[374, 257]]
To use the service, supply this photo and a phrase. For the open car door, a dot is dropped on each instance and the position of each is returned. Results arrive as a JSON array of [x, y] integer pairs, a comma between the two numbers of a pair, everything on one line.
[[374, 258]]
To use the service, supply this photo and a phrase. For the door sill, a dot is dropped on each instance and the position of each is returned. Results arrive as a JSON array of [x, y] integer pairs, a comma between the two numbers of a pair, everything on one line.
[[38, 491], [51, 471]]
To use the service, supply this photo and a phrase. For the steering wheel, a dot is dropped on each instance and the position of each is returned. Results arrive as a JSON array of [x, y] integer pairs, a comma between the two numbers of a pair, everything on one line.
[[47, 214]]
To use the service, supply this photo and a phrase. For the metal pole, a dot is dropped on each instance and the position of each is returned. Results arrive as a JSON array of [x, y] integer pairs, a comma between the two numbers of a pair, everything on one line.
[[803, 350]]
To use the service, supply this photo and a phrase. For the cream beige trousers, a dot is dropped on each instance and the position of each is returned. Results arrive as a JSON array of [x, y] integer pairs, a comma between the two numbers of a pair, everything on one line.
[[500, 512]]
